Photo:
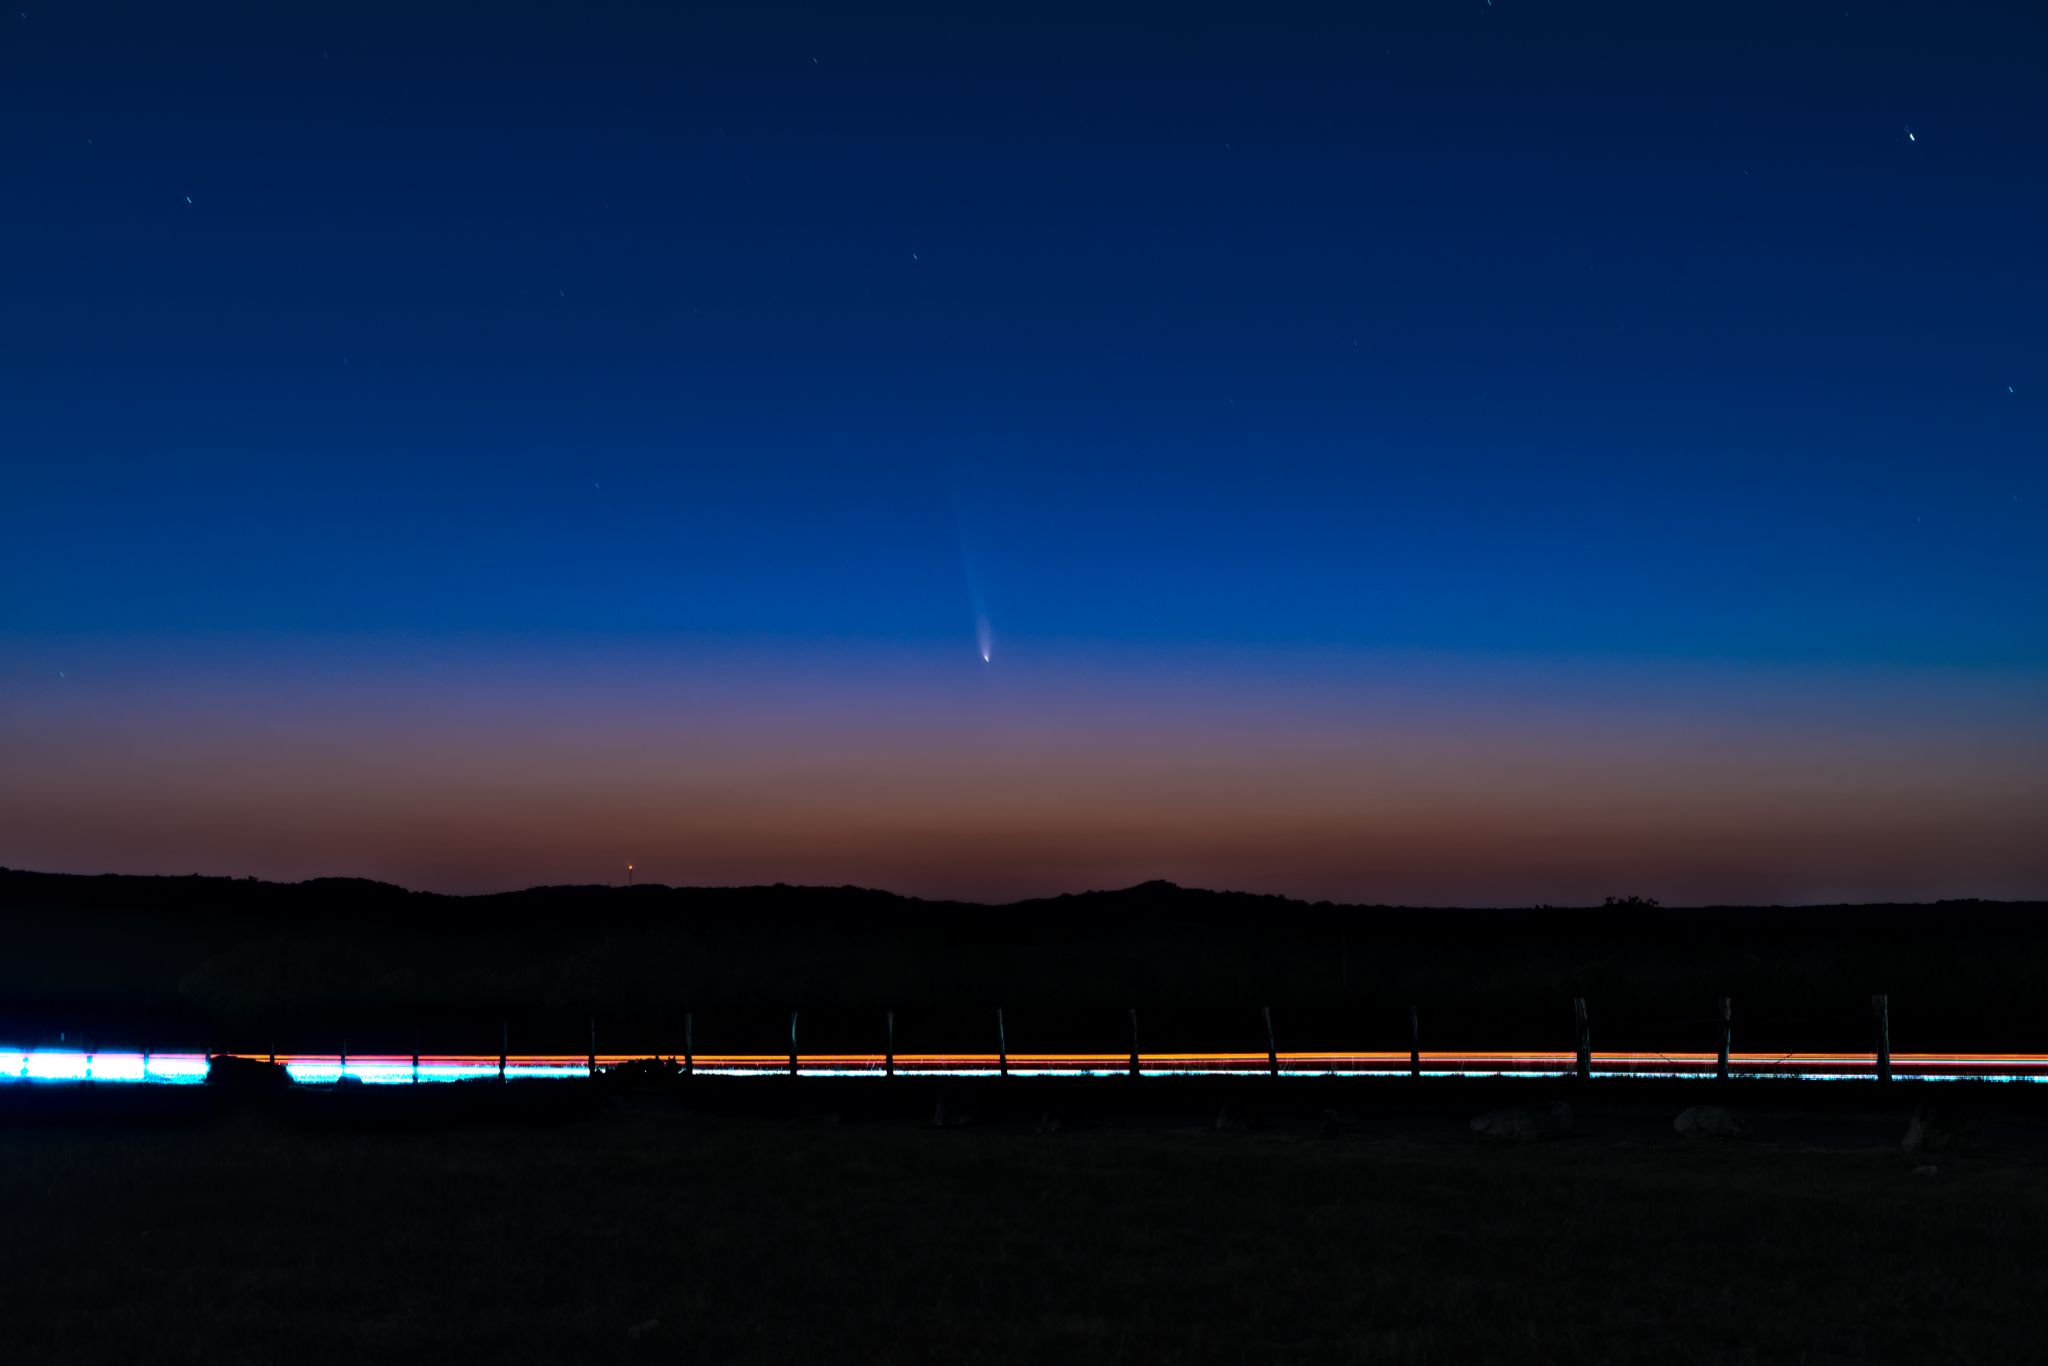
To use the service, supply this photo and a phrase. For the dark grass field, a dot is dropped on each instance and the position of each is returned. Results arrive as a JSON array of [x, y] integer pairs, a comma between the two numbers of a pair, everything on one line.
[[641, 1227]]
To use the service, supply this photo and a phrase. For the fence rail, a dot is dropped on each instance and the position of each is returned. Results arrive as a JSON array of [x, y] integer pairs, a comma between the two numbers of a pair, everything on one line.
[[76, 1060]]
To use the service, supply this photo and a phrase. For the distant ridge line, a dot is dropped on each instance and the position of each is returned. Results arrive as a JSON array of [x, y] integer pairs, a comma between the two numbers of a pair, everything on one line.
[[1151, 890]]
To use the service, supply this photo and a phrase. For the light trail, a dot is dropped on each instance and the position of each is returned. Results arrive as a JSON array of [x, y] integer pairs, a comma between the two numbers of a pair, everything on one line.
[[178, 1069], [70, 1065]]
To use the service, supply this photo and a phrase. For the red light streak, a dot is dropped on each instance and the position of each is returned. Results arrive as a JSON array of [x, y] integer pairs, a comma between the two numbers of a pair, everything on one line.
[[1364, 1063]]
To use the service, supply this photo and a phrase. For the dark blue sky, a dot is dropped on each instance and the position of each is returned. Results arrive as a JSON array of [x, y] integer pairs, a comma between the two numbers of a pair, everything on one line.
[[1596, 333], [1538, 326]]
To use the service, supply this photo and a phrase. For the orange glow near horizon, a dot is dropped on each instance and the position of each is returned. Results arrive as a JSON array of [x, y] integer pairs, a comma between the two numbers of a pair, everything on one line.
[[1439, 782]]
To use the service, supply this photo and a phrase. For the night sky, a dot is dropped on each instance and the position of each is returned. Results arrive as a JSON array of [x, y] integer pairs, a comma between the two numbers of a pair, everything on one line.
[[1440, 452]]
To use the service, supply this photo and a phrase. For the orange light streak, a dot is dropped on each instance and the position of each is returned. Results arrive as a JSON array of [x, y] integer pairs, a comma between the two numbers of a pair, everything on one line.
[[1467, 1059]]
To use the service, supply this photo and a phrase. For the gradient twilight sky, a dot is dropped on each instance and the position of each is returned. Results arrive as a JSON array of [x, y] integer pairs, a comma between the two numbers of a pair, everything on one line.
[[1438, 452]]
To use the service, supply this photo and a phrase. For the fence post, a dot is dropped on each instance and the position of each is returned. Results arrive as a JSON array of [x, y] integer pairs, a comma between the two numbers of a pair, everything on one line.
[[1272, 1049], [1727, 1030], [1134, 1041], [590, 1062], [415, 1057], [1414, 1042], [889, 1034], [1585, 1038], [145, 1064], [1881, 1018], [689, 1043], [504, 1045], [1002, 1046], [792, 1043], [342, 1074]]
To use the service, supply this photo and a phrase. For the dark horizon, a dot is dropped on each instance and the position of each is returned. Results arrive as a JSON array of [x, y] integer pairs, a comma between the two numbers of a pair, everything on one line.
[[1162, 887]]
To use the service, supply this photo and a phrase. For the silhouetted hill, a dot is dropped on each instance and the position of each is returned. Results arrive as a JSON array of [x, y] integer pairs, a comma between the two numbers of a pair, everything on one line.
[[238, 957]]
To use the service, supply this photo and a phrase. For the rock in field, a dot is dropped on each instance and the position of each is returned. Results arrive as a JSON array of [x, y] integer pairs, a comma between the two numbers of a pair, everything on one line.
[[1337, 1124], [1933, 1130], [1525, 1122], [1229, 1121], [1708, 1121]]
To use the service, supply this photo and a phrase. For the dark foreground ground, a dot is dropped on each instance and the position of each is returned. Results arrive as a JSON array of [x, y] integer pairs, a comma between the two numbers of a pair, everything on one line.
[[739, 1227]]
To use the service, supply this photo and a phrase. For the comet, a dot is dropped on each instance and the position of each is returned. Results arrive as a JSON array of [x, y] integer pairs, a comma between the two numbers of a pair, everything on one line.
[[984, 635]]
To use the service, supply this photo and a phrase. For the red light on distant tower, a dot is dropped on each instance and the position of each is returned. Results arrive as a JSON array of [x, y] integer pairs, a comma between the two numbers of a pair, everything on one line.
[[629, 875]]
